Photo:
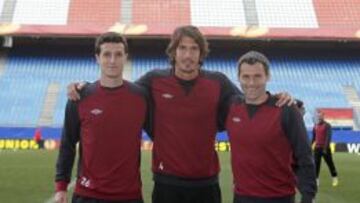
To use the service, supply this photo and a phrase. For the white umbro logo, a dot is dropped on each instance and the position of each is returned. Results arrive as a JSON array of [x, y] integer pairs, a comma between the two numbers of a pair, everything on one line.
[[161, 166], [167, 96], [96, 111], [236, 119]]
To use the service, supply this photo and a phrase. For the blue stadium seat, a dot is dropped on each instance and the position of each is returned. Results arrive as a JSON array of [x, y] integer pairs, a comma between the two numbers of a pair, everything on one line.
[[26, 78], [317, 81]]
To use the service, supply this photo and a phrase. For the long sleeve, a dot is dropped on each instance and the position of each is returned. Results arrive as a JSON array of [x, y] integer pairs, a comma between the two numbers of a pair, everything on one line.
[[313, 135], [228, 90], [69, 138], [294, 127], [328, 135], [145, 83]]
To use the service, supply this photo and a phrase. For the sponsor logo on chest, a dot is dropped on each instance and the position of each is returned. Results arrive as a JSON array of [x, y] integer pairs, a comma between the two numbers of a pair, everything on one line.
[[167, 96], [236, 119], [96, 111]]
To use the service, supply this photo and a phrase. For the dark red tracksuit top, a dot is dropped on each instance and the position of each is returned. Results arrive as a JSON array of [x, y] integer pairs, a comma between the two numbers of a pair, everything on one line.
[[322, 134], [185, 119], [107, 123], [265, 142]]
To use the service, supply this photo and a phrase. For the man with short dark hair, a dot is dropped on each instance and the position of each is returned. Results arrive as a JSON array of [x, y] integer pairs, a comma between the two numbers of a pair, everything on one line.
[[322, 133], [266, 141], [106, 122]]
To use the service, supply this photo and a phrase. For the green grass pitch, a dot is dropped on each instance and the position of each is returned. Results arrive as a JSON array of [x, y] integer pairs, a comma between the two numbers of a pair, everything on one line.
[[27, 176]]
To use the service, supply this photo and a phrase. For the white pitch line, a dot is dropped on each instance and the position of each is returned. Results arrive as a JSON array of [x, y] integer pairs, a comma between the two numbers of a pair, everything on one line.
[[52, 198]]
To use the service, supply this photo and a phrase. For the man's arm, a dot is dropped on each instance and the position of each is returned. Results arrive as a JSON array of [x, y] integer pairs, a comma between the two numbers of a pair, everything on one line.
[[294, 128], [328, 136], [313, 135], [70, 137], [145, 82], [73, 90], [284, 98], [227, 91], [313, 139]]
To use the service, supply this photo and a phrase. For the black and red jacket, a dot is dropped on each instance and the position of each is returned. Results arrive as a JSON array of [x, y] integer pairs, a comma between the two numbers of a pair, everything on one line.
[[107, 123], [266, 142], [186, 115]]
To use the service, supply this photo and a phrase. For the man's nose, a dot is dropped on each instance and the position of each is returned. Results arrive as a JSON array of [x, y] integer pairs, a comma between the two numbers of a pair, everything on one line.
[[251, 81], [112, 58]]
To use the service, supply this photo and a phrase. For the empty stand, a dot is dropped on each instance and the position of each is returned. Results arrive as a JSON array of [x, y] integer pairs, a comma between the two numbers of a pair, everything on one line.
[[144, 63], [26, 79], [7, 8], [225, 13], [41, 12], [87, 12], [2, 62], [338, 14], [47, 111], [286, 14], [161, 12], [307, 19], [318, 81], [251, 13], [126, 11]]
